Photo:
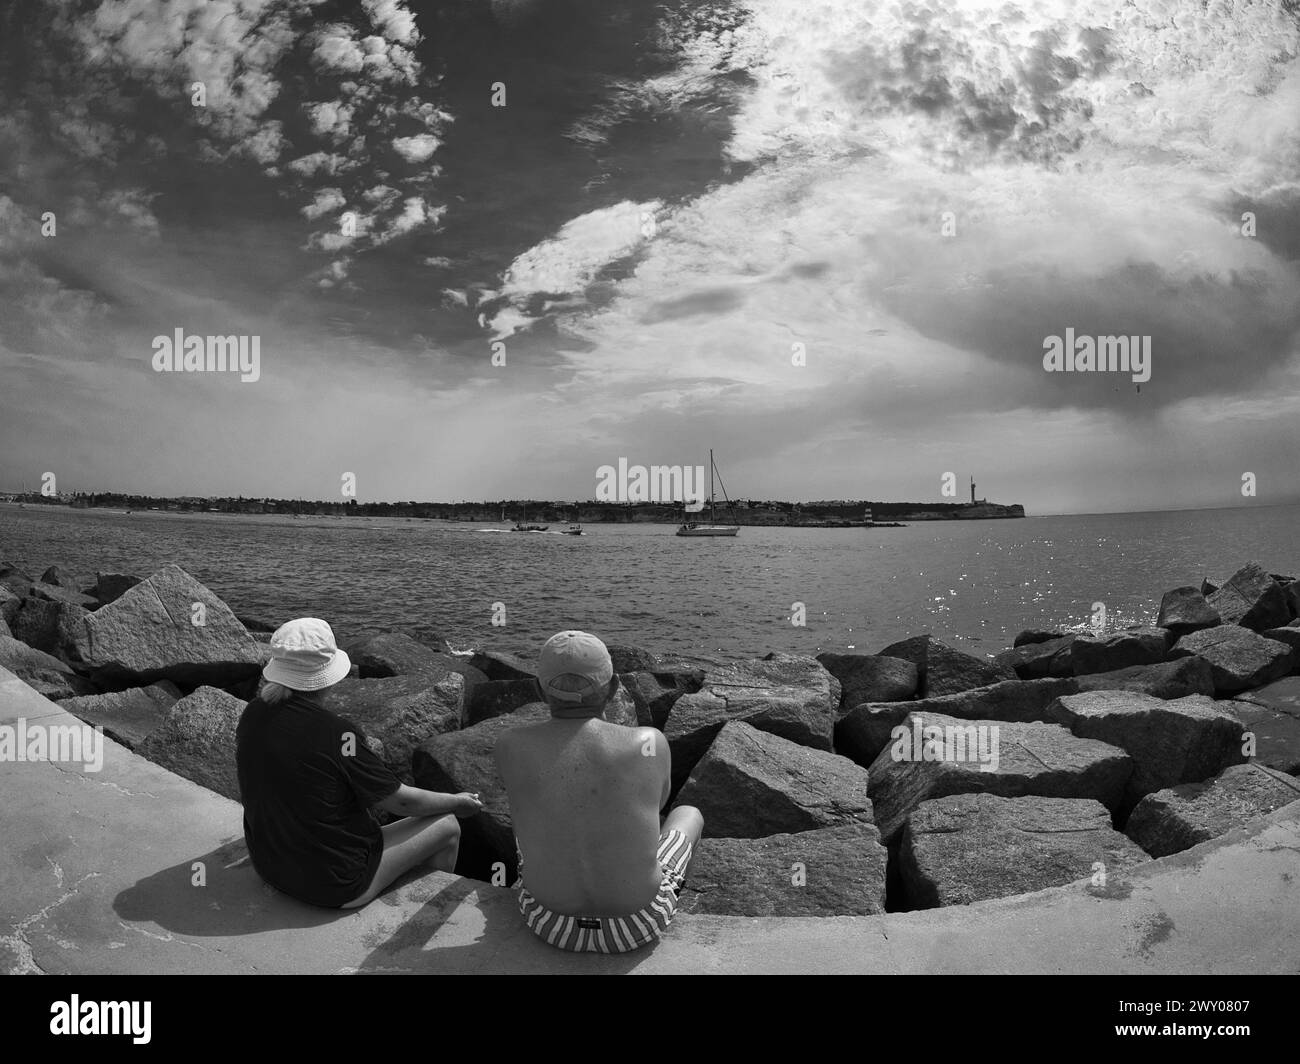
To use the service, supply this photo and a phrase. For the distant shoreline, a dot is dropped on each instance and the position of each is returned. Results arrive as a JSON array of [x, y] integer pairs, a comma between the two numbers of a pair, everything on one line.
[[751, 515]]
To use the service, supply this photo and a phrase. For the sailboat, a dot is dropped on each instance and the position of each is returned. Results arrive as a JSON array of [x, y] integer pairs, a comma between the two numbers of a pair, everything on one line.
[[690, 528]]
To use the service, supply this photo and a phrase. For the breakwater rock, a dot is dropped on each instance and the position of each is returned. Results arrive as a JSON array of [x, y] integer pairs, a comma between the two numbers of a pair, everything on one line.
[[915, 777]]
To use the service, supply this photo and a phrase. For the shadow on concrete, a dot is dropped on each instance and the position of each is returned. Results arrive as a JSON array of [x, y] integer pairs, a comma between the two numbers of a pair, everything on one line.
[[231, 900], [400, 929], [502, 944]]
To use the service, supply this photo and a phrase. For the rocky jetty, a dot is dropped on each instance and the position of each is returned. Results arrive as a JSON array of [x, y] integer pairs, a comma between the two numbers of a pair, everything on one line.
[[915, 777]]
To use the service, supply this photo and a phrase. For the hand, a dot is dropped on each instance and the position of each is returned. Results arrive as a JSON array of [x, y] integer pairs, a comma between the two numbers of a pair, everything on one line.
[[468, 804]]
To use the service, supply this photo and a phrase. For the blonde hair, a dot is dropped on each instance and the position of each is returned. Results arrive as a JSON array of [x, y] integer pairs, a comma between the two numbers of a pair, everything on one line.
[[274, 693]]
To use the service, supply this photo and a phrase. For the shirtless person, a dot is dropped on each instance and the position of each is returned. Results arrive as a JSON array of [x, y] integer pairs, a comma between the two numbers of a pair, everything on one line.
[[585, 795]]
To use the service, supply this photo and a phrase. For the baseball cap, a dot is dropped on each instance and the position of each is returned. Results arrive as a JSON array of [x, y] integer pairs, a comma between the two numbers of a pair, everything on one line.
[[574, 667], [305, 657]]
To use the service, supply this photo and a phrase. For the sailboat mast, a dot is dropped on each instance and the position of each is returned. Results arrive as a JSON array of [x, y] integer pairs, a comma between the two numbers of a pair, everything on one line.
[[712, 520]]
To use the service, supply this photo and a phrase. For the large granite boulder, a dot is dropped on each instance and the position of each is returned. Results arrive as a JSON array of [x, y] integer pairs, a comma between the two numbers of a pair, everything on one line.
[[752, 783], [1169, 679], [109, 587], [495, 697], [971, 847], [1292, 592], [15, 579], [382, 654], [865, 731], [1290, 635], [45, 674], [836, 871], [1039, 759], [943, 670], [149, 634], [655, 693], [497, 665], [53, 627], [1271, 715], [1119, 650], [1252, 599], [197, 740], [36, 623], [791, 696], [59, 577], [55, 593], [1171, 741], [463, 761], [1037, 660], [10, 604], [401, 711], [1239, 658], [633, 659], [127, 717], [871, 678], [1177, 818], [1184, 610], [622, 709]]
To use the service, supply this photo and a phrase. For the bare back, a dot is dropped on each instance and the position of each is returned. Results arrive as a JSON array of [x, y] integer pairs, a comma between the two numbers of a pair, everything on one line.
[[584, 798]]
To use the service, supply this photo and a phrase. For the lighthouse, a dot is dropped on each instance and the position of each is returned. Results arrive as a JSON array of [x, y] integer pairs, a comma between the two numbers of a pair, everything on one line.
[[972, 491]]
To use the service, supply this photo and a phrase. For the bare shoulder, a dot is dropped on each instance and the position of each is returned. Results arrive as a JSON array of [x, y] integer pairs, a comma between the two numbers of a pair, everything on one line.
[[643, 742]]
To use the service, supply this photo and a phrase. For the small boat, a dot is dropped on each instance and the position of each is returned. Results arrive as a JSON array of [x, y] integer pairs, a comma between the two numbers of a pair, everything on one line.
[[573, 530], [692, 528]]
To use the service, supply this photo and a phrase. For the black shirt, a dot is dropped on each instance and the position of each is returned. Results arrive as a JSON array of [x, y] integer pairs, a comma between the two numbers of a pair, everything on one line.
[[308, 781]]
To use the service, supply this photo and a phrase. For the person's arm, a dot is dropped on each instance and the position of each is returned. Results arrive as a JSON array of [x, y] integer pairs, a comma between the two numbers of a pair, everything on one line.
[[415, 801], [664, 758]]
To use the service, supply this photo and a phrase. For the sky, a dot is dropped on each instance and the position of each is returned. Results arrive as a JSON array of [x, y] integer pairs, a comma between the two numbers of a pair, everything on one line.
[[490, 246]]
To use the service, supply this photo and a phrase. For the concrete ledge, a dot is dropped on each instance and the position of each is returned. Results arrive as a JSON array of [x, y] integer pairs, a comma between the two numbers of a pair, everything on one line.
[[97, 874]]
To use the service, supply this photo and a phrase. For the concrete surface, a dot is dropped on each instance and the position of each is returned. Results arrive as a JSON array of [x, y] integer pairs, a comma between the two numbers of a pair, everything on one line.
[[98, 875]]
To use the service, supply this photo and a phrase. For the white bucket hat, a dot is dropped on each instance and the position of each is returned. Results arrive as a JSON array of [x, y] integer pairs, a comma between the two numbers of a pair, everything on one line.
[[304, 656]]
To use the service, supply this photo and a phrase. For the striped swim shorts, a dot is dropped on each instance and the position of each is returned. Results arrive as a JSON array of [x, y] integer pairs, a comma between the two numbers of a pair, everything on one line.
[[615, 934]]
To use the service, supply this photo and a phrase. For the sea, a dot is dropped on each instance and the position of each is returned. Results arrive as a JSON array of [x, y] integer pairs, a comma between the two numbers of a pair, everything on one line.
[[974, 584]]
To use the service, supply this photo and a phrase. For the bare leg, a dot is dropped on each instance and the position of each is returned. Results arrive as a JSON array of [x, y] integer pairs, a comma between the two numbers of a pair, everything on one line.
[[410, 842], [686, 819]]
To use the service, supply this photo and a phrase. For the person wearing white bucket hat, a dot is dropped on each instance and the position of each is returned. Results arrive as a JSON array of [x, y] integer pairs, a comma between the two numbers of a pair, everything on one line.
[[311, 786]]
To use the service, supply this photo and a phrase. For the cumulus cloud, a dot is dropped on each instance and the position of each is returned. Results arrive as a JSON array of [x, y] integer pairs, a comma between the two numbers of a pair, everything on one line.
[[338, 50], [332, 117], [416, 149], [392, 19], [318, 162], [1083, 160], [326, 201]]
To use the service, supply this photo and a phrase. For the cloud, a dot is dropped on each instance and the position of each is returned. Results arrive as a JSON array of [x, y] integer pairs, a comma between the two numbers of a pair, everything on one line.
[[338, 51], [572, 259], [327, 201], [416, 149], [1082, 158], [332, 117], [392, 19]]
